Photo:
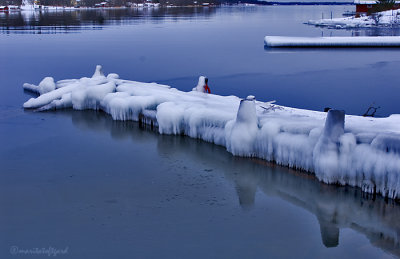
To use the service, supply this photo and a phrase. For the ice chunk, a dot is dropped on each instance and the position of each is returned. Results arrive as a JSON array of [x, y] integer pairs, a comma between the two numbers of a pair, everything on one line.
[[47, 98], [387, 143], [46, 85], [112, 76]]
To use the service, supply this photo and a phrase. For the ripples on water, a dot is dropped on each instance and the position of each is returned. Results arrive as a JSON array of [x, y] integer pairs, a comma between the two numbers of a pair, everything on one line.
[[49, 22], [41, 22]]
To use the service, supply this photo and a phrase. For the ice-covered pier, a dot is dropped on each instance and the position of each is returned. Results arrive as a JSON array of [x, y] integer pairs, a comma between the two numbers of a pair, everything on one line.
[[338, 148], [321, 42]]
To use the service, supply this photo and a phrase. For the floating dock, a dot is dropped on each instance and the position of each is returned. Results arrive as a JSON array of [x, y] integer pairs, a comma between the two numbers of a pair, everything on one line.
[[331, 42]]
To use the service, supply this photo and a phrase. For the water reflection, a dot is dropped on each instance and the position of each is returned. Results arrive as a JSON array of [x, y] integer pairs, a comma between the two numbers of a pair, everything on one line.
[[335, 207], [50, 22], [67, 21], [371, 31], [387, 31]]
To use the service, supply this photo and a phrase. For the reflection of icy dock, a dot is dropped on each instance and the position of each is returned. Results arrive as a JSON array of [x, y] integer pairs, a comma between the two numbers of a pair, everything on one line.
[[337, 209], [365, 153], [296, 42]]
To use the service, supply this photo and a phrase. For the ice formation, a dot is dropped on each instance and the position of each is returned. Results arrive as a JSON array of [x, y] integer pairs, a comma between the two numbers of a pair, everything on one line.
[[200, 85], [46, 85], [364, 41], [338, 148], [380, 19]]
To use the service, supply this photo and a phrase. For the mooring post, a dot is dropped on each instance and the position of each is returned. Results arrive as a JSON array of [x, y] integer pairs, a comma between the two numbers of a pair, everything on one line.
[[326, 151]]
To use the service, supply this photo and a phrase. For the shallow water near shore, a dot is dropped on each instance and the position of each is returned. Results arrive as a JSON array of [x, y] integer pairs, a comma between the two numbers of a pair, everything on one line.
[[102, 188]]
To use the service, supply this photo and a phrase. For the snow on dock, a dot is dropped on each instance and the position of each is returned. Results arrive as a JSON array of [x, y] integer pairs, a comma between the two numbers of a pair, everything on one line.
[[301, 42], [338, 148]]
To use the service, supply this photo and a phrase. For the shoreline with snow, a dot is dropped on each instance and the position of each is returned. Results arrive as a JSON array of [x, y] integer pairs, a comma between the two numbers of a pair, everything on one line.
[[390, 18], [337, 148]]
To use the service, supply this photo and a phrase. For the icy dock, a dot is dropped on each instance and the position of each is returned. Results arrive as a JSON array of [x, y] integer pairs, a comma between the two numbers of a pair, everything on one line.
[[338, 148], [320, 42]]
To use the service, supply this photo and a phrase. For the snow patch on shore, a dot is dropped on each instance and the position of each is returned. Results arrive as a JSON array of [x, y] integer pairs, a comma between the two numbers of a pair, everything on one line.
[[380, 19]]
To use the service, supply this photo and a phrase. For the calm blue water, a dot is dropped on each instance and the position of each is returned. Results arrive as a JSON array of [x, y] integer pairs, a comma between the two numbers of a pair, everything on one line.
[[226, 44], [108, 189]]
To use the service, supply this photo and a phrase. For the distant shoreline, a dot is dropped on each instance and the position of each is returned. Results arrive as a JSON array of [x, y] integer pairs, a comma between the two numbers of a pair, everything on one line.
[[248, 2], [301, 3]]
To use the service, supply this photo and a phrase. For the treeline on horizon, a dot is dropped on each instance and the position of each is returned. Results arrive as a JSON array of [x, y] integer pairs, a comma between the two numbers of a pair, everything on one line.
[[91, 3]]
